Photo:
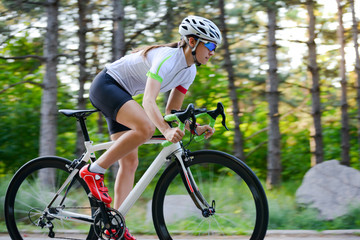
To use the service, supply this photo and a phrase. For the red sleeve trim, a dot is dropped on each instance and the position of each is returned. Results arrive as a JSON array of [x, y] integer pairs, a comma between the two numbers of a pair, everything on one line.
[[181, 89]]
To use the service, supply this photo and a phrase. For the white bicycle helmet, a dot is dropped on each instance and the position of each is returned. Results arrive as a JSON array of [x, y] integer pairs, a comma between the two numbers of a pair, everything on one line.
[[201, 27]]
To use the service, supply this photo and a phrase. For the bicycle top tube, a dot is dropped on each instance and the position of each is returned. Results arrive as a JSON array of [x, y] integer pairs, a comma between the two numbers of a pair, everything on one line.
[[91, 148]]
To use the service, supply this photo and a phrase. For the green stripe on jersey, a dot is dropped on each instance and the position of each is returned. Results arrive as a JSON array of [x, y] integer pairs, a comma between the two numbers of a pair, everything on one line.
[[156, 75]]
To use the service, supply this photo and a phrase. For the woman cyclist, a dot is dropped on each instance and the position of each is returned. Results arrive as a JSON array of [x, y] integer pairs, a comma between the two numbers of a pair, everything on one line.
[[150, 70]]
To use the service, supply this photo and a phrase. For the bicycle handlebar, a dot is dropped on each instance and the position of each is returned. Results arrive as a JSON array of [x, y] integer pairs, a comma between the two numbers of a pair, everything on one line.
[[192, 113]]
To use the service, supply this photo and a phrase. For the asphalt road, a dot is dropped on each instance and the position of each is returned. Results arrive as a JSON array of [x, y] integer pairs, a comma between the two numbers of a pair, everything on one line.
[[272, 235]]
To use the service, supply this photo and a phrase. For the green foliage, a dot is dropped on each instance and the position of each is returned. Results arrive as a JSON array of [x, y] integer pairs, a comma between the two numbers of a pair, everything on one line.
[[35, 7], [295, 155], [66, 139], [4, 182], [209, 88], [19, 105]]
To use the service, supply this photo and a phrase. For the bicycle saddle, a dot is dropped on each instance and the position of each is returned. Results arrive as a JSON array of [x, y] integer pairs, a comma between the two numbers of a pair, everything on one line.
[[77, 113]]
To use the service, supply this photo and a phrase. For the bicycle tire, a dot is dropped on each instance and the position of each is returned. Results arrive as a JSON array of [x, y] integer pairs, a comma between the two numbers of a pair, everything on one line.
[[27, 197], [236, 191]]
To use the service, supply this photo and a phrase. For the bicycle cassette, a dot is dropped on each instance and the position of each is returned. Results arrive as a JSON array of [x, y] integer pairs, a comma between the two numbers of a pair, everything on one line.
[[115, 227]]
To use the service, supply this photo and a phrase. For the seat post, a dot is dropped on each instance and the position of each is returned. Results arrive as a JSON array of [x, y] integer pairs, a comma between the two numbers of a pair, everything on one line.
[[84, 130]]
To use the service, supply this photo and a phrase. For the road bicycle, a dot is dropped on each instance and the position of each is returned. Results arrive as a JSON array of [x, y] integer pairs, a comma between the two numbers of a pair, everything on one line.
[[200, 193]]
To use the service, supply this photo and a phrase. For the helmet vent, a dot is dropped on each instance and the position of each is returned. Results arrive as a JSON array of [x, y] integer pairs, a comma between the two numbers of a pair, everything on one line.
[[202, 30], [214, 33], [184, 27], [202, 23], [193, 20]]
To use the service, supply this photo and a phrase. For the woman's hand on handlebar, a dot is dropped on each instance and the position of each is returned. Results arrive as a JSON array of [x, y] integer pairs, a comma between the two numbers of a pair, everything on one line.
[[174, 135], [209, 131]]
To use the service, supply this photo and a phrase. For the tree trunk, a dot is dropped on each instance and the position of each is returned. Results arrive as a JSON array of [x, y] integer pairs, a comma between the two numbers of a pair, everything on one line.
[[238, 138], [118, 30], [48, 125], [273, 157], [355, 33], [345, 139], [167, 35], [100, 118], [316, 133], [118, 48], [83, 76]]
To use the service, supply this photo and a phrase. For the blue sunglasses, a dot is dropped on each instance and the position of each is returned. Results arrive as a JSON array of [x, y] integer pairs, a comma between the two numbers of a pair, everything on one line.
[[209, 45]]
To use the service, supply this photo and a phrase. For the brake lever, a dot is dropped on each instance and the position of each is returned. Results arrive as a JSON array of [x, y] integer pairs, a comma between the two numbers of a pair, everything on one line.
[[219, 111], [223, 122]]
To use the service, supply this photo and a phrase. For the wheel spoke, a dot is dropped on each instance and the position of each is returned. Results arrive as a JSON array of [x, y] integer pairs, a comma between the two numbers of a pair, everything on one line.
[[27, 199], [222, 179]]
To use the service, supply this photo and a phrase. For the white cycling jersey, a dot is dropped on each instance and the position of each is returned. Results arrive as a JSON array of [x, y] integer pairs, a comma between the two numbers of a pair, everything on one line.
[[164, 64]]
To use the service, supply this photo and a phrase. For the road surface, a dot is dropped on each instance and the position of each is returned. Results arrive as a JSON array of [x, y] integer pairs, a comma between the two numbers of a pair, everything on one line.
[[272, 235]]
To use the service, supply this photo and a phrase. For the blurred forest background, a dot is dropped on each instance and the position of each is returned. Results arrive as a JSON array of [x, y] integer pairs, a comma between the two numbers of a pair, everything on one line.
[[288, 73]]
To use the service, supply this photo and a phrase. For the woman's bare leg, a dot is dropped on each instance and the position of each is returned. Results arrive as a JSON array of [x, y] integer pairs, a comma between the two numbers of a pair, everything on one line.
[[125, 177], [124, 181], [132, 115]]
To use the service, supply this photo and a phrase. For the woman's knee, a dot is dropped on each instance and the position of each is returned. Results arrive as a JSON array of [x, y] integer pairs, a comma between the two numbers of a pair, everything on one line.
[[134, 117], [146, 129]]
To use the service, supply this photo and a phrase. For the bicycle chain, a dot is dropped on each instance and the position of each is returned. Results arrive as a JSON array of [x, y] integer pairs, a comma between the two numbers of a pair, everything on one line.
[[81, 207], [68, 238]]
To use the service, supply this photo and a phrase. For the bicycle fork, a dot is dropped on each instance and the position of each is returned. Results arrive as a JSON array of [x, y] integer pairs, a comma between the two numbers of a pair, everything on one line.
[[192, 188]]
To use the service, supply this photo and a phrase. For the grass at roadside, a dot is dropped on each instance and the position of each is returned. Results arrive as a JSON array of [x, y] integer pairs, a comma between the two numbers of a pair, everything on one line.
[[284, 212]]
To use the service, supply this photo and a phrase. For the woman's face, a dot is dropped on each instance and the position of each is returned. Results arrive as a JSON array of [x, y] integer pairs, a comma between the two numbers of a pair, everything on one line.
[[203, 54]]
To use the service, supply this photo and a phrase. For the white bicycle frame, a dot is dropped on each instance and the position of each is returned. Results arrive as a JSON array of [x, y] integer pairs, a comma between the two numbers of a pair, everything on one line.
[[146, 178]]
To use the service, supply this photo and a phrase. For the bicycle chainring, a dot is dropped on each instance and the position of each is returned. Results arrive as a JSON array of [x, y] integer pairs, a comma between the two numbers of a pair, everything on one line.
[[116, 227]]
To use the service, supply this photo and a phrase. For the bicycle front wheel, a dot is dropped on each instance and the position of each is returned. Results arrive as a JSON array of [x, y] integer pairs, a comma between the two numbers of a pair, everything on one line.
[[241, 209], [29, 194]]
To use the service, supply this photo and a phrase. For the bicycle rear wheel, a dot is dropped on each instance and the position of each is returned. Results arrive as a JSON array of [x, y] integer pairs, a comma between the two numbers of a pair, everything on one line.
[[241, 209], [28, 196]]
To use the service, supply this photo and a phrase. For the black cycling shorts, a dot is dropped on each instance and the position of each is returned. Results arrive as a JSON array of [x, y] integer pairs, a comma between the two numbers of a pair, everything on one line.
[[108, 96]]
